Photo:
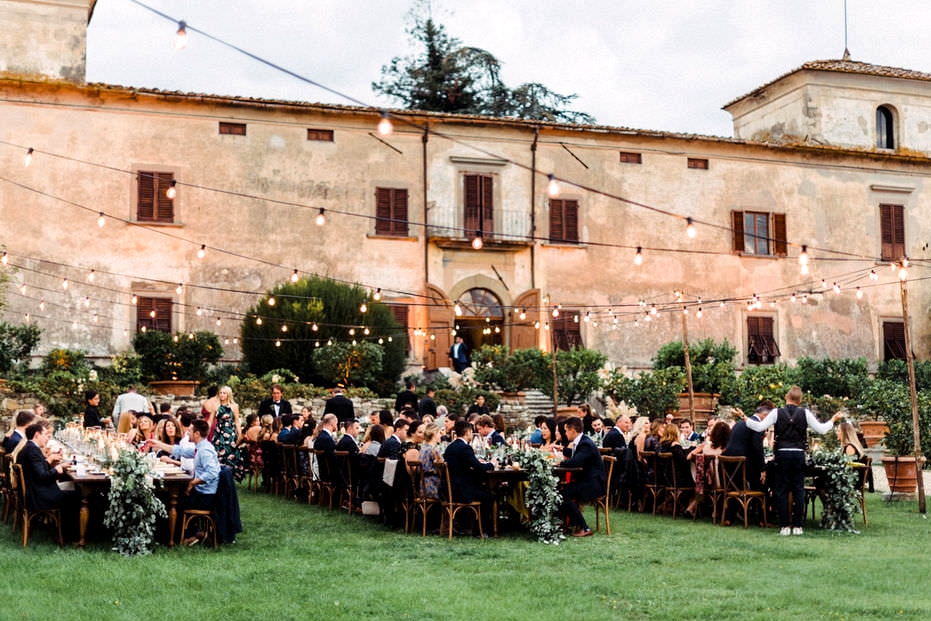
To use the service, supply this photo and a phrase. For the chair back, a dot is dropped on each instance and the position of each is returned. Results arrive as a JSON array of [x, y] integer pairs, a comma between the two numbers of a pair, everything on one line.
[[415, 469], [344, 469], [652, 475], [732, 472], [446, 491], [665, 469], [18, 482], [609, 461], [862, 467], [326, 466]]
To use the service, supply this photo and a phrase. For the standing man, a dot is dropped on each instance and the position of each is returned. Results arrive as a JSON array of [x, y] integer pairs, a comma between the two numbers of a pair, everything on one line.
[[427, 405], [478, 407], [340, 405], [791, 422], [587, 484], [459, 355], [130, 400], [202, 490], [275, 405], [406, 397]]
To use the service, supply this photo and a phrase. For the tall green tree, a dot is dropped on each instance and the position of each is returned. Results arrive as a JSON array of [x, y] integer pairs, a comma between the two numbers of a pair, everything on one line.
[[446, 76]]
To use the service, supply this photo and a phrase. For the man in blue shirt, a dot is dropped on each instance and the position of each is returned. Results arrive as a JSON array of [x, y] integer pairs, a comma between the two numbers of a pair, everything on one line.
[[202, 490]]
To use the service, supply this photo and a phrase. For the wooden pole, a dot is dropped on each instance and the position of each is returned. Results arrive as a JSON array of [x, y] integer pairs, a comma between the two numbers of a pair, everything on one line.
[[555, 378], [688, 366], [916, 429]]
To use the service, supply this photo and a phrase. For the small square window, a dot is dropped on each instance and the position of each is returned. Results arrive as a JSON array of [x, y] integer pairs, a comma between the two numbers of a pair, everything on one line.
[[323, 135], [153, 314], [233, 129], [697, 162], [631, 158]]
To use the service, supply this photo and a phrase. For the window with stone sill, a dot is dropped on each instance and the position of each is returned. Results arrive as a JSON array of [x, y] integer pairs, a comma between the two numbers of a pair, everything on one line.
[[153, 203], [759, 233]]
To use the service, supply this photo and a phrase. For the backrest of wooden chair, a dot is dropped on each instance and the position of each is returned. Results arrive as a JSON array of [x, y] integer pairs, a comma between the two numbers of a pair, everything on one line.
[[19, 484], [666, 469], [446, 493], [652, 461], [609, 461], [344, 468], [415, 469], [288, 459], [733, 473], [324, 466], [862, 468]]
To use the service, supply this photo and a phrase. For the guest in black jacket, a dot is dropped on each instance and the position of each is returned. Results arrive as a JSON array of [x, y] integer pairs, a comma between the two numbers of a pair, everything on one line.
[[41, 475], [348, 441], [466, 472], [586, 485]]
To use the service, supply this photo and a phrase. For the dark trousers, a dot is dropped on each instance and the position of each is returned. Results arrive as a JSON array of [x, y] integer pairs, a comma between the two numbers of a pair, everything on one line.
[[790, 478], [196, 500], [571, 507]]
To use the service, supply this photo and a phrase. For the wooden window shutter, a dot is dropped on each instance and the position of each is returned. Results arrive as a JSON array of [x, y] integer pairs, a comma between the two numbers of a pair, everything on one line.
[[472, 205], [556, 220], [892, 232], [383, 211], [488, 199], [780, 244], [162, 308], [145, 206], [571, 221], [165, 207], [390, 211], [400, 211], [152, 202], [479, 202], [737, 224]]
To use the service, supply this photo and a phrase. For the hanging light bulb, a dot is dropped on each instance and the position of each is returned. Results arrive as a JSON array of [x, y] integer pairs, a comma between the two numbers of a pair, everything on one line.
[[381, 341], [685, 311], [64, 284], [199, 312], [5, 259], [638, 258], [134, 300], [636, 323], [477, 241], [329, 341], [523, 314], [284, 327], [172, 190], [903, 274], [457, 310], [28, 159], [271, 300], [805, 299], [722, 304], [101, 220], [258, 321], [295, 277], [824, 284], [125, 331], [143, 329], [792, 297], [226, 341], [26, 317], [653, 310], [803, 256], [366, 332], [235, 340], [690, 228], [91, 275], [181, 36], [42, 305], [277, 342], [556, 312], [219, 322], [202, 251], [87, 302], [364, 308], [384, 124], [575, 318], [352, 331], [859, 293], [874, 275], [553, 186], [536, 324], [314, 327], [96, 318], [316, 343], [546, 326], [320, 220], [804, 269], [179, 288], [698, 312], [377, 295], [836, 287]]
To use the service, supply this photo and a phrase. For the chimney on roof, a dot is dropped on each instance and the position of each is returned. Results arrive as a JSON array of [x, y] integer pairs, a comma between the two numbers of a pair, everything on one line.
[[45, 39], [846, 54]]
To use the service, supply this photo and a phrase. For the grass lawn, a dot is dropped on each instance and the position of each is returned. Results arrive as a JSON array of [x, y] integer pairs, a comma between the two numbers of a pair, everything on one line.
[[303, 562]]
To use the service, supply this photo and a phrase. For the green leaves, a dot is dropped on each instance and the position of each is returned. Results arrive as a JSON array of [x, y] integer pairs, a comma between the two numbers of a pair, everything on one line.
[[134, 508]]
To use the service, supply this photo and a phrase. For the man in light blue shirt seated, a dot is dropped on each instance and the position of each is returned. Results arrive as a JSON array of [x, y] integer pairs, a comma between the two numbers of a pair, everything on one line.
[[202, 490]]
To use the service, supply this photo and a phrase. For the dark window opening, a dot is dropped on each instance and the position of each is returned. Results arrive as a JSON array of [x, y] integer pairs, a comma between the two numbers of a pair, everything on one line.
[[894, 340], [233, 129], [761, 341], [153, 314], [885, 133], [695, 162], [323, 135]]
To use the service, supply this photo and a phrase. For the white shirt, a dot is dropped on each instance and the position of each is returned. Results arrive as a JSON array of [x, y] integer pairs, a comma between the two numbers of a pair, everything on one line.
[[816, 425]]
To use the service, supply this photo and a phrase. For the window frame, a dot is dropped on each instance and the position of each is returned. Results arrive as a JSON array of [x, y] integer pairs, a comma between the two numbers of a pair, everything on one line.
[[564, 221], [155, 199], [776, 235], [229, 128], [481, 201], [567, 331], [163, 307], [762, 347], [891, 231], [885, 127], [893, 340], [391, 212]]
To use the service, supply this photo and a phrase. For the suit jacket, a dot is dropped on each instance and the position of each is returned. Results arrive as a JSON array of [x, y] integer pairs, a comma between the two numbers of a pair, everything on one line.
[[462, 360], [10, 443], [341, 405], [284, 407], [405, 397], [614, 439], [744, 442], [426, 406], [347, 443], [496, 439], [391, 448], [325, 443], [42, 491], [465, 472], [590, 482]]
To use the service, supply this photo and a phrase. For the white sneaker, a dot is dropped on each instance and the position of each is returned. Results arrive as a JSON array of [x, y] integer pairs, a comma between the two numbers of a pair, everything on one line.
[[797, 530], [785, 531]]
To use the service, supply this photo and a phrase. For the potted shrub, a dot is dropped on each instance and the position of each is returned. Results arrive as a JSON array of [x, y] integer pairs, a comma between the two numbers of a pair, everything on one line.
[[175, 364], [578, 373], [652, 393], [713, 374]]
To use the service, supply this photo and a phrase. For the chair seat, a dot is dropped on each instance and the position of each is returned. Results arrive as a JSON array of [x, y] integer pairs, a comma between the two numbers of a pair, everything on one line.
[[202, 516]]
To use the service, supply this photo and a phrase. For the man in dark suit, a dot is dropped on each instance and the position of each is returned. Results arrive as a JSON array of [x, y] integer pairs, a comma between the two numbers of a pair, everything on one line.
[[427, 406], [744, 442], [340, 405], [348, 442], [275, 405], [466, 471], [41, 475], [586, 485], [614, 439], [326, 440], [24, 418], [406, 397], [459, 355], [391, 449]]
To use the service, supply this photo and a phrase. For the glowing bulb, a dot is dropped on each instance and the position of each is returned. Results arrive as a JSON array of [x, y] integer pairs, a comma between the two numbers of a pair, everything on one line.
[[804, 269], [202, 251], [698, 312], [64, 284], [258, 321], [179, 288], [320, 220], [859, 294], [101, 220], [836, 288], [143, 329], [377, 295], [172, 190], [87, 302], [690, 228], [553, 186], [91, 275], [352, 331], [575, 319], [152, 314], [29, 153], [555, 313], [134, 300], [824, 284], [271, 301], [477, 242], [181, 36], [277, 342], [638, 258], [42, 305], [5, 259], [653, 310], [793, 297], [588, 316], [366, 332], [295, 277], [803, 256], [96, 318], [314, 327], [364, 308], [199, 312], [805, 299], [381, 341], [329, 341], [175, 338], [874, 275], [685, 311], [384, 124], [26, 317], [317, 343], [457, 310], [219, 321], [536, 324], [903, 274], [284, 327], [523, 314]]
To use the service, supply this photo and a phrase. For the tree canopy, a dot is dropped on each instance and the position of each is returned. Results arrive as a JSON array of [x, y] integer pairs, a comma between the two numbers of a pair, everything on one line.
[[446, 76]]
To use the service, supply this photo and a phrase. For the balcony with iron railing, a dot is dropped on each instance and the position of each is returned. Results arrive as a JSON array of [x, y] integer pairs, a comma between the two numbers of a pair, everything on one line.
[[510, 228]]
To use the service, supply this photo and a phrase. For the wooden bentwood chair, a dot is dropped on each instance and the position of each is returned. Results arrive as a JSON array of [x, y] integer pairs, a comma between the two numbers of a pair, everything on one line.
[[26, 513], [733, 475], [450, 507], [603, 503]]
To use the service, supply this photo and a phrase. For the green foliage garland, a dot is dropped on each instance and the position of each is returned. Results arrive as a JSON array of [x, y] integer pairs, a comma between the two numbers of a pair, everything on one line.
[[133, 508], [838, 483], [542, 496]]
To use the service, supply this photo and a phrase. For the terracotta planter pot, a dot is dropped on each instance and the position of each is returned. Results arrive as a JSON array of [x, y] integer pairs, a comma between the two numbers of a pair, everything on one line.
[[178, 388], [873, 431], [901, 474], [704, 405], [514, 397]]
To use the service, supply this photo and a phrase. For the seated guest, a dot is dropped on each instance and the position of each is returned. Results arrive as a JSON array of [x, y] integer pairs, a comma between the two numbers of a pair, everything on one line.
[[372, 446], [308, 424], [202, 490], [253, 429], [486, 430], [584, 411], [670, 442], [348, 441], [24, 418], [291, 432], [548, 436], [850, 443], [145, 428], [449, 427], [500, 424], [411, 448], [167, 431], [688, 435], [41, 474], [586, 485], [536, 437], [598, 431], [391, 449], [706, 476], [429, 455], [92, 410], [651, 441], [614, 438], [466, 471], [326, 436]]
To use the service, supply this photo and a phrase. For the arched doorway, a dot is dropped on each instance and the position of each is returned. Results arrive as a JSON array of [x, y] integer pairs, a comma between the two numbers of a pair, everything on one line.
[[482, 318]]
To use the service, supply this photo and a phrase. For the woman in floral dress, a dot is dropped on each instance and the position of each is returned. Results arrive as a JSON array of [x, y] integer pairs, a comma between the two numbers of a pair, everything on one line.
[[228, 433]]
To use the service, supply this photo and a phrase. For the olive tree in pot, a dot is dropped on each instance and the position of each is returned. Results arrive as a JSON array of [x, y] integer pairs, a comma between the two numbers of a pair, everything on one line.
[[176, 363]]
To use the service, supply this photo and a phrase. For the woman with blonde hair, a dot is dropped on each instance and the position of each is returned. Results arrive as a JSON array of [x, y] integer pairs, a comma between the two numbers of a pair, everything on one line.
[[228, 433], [849, 442]]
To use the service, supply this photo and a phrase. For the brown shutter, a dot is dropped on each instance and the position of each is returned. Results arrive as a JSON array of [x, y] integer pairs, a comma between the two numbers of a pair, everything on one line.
[[162, 308], [898, 231], [472, 204], [488, 201], [382, 211], [145, 204], [400, 212], [556, 220], [892, 232], [780, 245], [737, 224], [571, 221], [165, 207], [390, 211]]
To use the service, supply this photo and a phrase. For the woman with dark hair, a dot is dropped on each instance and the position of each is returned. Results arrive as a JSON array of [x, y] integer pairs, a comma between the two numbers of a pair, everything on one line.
[[548, 434], [681, 471], [706, 475], [92, 410], [376, 439]]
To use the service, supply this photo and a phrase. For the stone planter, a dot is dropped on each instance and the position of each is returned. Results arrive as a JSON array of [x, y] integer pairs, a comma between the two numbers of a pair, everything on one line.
[[178, 388], [902, 475], [873, 431], [518, 397]]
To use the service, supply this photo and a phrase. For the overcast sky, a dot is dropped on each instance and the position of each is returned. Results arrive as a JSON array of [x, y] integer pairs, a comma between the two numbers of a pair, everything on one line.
[[666, 66]]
